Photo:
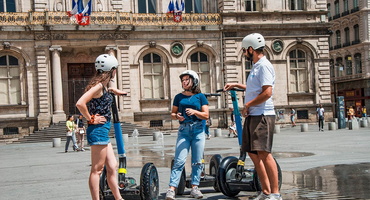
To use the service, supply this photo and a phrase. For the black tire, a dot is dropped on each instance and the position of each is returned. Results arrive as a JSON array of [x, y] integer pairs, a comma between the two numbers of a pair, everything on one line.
[[214, 164], [182, 184], [149, 182], [227, 171], [257, 182], [103, 184]]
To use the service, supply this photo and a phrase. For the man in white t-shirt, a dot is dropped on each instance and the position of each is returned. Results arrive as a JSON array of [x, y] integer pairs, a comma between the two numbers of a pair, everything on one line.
[[260, 115], [320, 117]]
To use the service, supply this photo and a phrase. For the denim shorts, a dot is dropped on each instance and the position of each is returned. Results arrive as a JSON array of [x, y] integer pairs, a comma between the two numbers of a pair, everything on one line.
[[98, 134]]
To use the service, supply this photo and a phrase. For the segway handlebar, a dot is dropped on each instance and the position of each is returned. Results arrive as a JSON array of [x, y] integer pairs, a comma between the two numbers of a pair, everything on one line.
[[234, 89], [211, 94]]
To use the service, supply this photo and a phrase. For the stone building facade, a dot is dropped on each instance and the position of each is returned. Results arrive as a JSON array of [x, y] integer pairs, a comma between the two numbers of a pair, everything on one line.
[[349, 52], [49, 59]]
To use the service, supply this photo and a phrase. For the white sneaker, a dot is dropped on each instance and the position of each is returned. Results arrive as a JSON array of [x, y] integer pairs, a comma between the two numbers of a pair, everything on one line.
[[275, 197], [170, 194], [262, 196], [195, 193]]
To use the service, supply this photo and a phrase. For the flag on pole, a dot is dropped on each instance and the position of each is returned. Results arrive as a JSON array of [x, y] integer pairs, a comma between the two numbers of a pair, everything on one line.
[[80, 13], [85, 15], [170, 9], [177, 14]]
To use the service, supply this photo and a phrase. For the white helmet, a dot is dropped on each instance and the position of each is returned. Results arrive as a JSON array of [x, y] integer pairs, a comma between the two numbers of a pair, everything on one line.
[[105, 63], [254, 40], [193, 75]]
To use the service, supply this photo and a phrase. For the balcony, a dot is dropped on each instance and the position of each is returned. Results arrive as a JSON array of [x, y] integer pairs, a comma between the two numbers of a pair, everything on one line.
[[345, 13], [336, 16], [355, 9], [109, 18], [355, 42], [338, 46], [346, 44]]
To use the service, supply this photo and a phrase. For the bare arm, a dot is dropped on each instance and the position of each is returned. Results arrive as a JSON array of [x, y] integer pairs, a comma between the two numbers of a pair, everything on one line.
[[203, 114], [230, 86], [94, 92]]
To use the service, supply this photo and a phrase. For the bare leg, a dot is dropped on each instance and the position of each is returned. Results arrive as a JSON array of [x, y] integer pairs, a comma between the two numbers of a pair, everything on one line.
[[261, 171], [98, 156], [271, 170], [111, 166]]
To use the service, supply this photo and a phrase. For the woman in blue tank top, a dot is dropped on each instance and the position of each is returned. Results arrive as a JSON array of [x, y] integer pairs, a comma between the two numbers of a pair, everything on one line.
[[98, 116], [190, 107]]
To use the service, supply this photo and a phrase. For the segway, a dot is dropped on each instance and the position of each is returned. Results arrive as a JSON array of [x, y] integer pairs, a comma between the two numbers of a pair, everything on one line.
[[129, 189], [206, 180], [232, 176]]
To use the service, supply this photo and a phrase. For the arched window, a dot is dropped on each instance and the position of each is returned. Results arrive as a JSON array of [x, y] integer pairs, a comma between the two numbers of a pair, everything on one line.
[[338, 39], [339, 65], [358, 64], [7, 6], [347, 40], [355, 3], [200, 64], [348, 65], [147, 6], [153, 77], [332, 68], [345, 6], [193, 6], [356, 30], [298, 71], [10, 85], [296, 4], [336, 7]]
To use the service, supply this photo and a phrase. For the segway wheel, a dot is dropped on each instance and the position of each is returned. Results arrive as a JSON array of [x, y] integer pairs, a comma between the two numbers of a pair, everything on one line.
[[149, 182], [257, 182], [182, 184], [214, 164], [103, 184], [226, 173]]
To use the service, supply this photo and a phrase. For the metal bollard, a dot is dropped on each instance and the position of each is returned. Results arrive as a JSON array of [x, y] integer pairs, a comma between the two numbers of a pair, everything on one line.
[[57, 142], [125, 138], [277, 128], [363, 123], [331, 126], [218, 132], [304, 127]]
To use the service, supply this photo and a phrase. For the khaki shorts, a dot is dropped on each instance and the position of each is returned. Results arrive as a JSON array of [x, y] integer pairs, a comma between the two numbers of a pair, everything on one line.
[[258, 132]]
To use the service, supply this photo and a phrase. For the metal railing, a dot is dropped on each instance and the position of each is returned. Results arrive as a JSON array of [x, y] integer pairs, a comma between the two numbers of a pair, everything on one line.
[[108, 18]]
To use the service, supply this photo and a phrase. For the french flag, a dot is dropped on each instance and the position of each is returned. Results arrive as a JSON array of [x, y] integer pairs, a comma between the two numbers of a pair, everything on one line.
[[80, 12]]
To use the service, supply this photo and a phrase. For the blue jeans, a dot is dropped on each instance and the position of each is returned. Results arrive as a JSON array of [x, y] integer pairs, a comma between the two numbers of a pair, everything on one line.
[[189, 136]]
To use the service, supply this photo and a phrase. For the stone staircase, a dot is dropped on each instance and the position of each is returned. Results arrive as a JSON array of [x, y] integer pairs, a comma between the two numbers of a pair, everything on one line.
[[59, 131]]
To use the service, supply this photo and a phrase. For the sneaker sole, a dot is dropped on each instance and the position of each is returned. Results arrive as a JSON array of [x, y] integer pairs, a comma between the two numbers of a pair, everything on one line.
[[199, 197]]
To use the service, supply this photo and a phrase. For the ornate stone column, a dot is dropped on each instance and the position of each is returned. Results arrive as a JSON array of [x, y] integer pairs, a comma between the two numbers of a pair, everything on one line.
[[58, 114]]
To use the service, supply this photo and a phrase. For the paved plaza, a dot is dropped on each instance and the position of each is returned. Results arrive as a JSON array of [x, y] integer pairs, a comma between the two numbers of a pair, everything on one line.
[[40, 171]]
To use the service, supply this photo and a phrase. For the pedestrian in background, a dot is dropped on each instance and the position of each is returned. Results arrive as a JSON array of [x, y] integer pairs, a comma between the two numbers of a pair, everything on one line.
[[364, 113], [259, 111], [99, 115], [320, 111], [292, 116], [208, 124], [80, 132], [190, 107], [71, 131]]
